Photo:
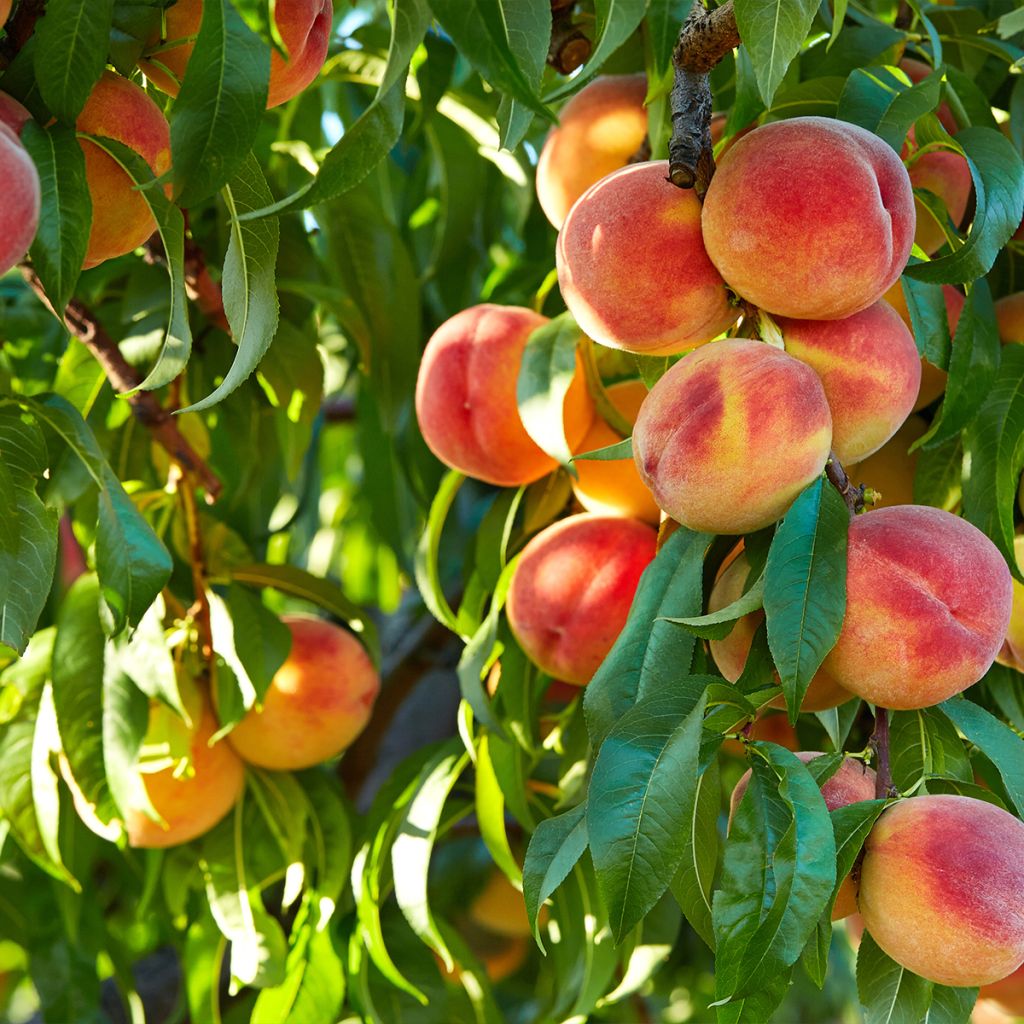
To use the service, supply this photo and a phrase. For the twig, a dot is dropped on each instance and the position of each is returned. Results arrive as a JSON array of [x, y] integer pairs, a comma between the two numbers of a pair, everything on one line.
[[147, 410], [705, 38], [853, 496], [570, 48], [880, 742]]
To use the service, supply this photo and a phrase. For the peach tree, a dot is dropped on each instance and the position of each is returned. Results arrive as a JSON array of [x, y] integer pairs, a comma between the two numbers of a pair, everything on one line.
[[511, 510]]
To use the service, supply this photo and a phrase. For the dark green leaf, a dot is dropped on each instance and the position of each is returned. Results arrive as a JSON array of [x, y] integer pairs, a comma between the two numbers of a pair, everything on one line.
[[851, 825], [773, 32], [938, 478], [610, 453], [125, 720], [555, 847], [923, 743], [889, 993], [716, 625]]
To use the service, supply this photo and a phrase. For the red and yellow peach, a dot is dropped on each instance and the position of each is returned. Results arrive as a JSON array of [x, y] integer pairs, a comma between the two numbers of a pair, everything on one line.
[[19, 212]]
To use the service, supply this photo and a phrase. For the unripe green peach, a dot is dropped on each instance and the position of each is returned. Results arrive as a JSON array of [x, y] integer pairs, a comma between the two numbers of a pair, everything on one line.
[[318, 702], [810, 218], [720, 411], [942, 889], [466, 397], [928, 600], [632, 266], [572, 590], [869, 368], [599, 129]]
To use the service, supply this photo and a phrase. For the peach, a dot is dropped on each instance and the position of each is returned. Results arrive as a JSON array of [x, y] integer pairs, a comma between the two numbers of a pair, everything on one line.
[[466, 397], [890, 471], [933, 380], [632, 266], [852, 782], [1010, 317], [928, 600], [572, 589], [501, 909], [1011, 653], [614, 488], [810, 218], [121, 218], [730, 653], [948, 176], [13, 114], [1008, 992], [19, 212], [190, 802], [772, 728], [318, 702], [5, 11], [599, 129], [303, 25], [942, 889], [869, 368], [718, 412]]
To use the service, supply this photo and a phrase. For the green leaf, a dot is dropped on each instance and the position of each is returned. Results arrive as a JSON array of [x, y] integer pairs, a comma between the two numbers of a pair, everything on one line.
[[249, 283], [805, 587], [923, 744], [929, 319], [996, 740], [555, 847], [851, 825], [716, 625], [428, 573], [664, 18], [125, 720], [217, 113], [70, 53], [641, 792], [490, 811], [610, 453], [877, 98], [773, 32], [998, 173], [147, 658], [778, 874], [938, 478], [994, 442], [649, 656], [65, 216], [545, 373], [329, 837]]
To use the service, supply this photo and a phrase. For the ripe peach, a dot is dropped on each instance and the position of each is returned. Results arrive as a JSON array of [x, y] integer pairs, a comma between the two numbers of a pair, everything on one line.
[[810, 218], [730, 653], [19, 212], [466, 397], [890, 471], [599, 129], [304, 27], [13, 114], [318, 702], [632, 266], [719, 411], [572, 589], [121, 218], [501, 909], [942, 889], [933, 380], [1008, 992], [1011, 653], [190, 803], [869, 368], [852, 782], [1010, 317], [5, 11], [928, 599], [615, 488]]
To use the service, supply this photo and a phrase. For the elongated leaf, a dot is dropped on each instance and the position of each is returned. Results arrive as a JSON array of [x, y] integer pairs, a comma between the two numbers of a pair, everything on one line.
[[879, 100], [479, 654], [146, 657], [851, 825], [610, 453], [65, 217], [929, 319], [490, 812], [773, 32], [125, 719], [805, 588], [664, 18], [650, 656], [428, 574], [70, 52], [716, 625], [555, 847], [249, 281], [923, 744], [889, 993], [938, 478], [330, 838]]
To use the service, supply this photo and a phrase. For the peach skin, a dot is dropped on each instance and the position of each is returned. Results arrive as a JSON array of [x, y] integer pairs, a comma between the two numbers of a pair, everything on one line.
[[719, 411], [572, 590], [928, 600], [318, 702], [632, 266], [1011, 653], [13, 114], [1010, 317], [466, 397], [942, 889], [810, 218], [19, 211]]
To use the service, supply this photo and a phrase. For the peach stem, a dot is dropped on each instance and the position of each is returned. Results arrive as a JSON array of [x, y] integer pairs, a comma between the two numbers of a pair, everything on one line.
[[880, 742]]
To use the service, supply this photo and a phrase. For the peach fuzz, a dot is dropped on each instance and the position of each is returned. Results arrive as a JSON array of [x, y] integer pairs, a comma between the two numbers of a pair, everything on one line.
[[599, 129], [304, 27], [572, 589], [869, 368], [1008, 992], [121, 218], [1010, 317], [731, 652], [852, 782], [890, 471], [466, 397], [19, 211], [318, 702], [810, 218], [933, 380], [719, 411], [632, 266], [942, 889], [614, 488], [1011, 653], [928, 600]]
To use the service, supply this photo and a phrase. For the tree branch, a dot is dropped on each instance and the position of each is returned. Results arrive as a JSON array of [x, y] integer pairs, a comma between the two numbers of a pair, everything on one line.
[[82, 323], [570, 48], [853, 496], [705, 38], [880, 742]]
